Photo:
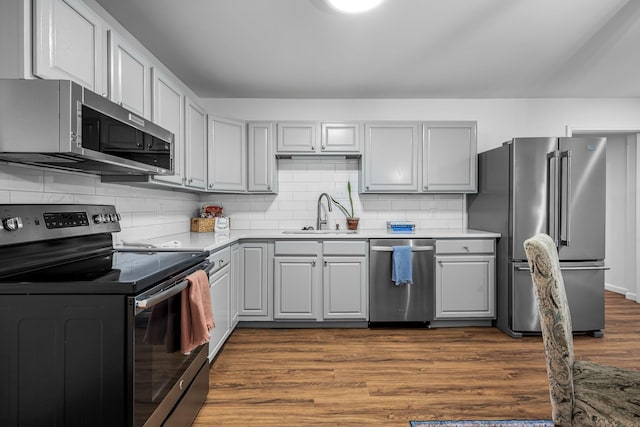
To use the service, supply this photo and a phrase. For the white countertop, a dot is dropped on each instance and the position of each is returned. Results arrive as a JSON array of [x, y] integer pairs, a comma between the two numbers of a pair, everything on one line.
[[212, 241]]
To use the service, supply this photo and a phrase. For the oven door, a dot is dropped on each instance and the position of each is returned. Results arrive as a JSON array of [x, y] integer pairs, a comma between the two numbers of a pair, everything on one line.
[[161, 372]]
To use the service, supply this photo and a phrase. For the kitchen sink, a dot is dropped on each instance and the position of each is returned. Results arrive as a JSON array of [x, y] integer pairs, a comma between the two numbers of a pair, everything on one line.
[[319, 231]]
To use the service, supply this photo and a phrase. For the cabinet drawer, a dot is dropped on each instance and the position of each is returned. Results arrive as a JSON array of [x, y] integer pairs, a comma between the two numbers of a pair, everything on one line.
[[297, 247], [220, 258], [467, 246], [332, 247]]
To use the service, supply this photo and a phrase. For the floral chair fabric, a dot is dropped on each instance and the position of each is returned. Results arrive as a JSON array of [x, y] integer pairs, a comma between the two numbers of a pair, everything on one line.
[[582, 393]]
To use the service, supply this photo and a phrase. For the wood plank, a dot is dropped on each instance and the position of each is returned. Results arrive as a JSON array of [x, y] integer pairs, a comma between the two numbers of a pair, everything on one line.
[[386, 377]]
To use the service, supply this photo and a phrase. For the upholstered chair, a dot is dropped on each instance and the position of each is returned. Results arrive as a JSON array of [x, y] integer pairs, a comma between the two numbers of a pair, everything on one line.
[[582, 393]]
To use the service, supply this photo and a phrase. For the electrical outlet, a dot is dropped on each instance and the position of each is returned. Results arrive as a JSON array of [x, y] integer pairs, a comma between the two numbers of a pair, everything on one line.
[[341, 194]]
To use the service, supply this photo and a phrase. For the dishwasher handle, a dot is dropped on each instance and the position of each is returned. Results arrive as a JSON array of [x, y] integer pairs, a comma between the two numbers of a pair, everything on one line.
[[390, 248]]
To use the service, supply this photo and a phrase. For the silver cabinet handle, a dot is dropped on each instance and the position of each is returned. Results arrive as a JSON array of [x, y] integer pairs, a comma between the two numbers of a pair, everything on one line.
[[390, 249], [313, 263]]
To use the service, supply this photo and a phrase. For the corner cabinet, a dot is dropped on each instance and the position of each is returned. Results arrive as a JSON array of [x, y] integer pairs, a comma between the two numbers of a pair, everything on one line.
[[256, 285], [263, 173], [227, 156], [390, 160], [465, 279], [449, 160], [220, 290], [68, 43]]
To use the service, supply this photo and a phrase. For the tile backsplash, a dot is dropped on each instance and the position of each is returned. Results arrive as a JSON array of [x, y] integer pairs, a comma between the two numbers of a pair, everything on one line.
[[145, 212], [301, 181]]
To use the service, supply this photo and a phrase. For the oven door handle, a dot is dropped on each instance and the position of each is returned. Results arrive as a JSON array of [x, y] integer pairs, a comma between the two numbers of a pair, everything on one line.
[[162, 295]]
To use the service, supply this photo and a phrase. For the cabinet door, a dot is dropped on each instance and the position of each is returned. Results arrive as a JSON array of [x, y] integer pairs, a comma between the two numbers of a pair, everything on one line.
[[254, 283], [391, 157], [340, 138], [262, 161], [227, 156], [220, 288], [129, 76], [449, 160], [345, 288], [296, 288], [168, 112], [235, 284], [195, 145], [68, 43], [465, 287], [296, 137]]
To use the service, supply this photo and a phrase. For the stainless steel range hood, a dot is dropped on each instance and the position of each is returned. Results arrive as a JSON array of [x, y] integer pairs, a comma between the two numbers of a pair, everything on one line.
[[61, 125]]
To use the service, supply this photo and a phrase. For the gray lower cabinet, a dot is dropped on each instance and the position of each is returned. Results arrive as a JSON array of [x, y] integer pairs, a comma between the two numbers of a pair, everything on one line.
[[297, 293], [344, 286], [235, 284], [256, 287], [220, 289], [465, 279]]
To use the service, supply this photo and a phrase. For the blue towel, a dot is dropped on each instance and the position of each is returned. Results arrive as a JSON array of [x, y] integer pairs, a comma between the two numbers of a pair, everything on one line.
[[401, 266]]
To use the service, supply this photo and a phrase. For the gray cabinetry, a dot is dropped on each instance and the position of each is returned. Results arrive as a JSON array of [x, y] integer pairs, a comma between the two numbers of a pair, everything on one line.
[[449, 160], [297, 137], [227, 156], [256, 288], [297, 285], [235, 284], [340, 137], [390, 159], [220, 288], [129, 76], [465, 279], [68, 43], [195, 145], [344, 280], [263, 176]]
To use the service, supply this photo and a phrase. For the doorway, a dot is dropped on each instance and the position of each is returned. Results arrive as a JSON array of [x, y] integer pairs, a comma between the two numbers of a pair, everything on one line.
[[622, 211]]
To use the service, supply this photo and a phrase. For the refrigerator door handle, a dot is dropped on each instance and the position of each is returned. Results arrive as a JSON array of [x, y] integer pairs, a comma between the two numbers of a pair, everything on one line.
[[565, 198], [552, 196]]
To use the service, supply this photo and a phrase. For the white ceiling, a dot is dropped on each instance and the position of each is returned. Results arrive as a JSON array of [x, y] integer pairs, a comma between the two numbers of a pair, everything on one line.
[[404, 49]]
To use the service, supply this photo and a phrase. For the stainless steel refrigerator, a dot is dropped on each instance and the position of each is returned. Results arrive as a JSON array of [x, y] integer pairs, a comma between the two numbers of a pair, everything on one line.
[[545, 185]]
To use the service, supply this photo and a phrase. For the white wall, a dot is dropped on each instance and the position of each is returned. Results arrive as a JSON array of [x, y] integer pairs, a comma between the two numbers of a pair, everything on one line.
[[145, 213]]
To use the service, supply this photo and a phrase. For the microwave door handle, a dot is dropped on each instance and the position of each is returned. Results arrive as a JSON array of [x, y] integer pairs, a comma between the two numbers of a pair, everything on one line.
[[161, 296]]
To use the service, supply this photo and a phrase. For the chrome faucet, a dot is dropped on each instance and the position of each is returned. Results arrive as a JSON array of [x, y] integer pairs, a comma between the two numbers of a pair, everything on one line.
[[319, 221]]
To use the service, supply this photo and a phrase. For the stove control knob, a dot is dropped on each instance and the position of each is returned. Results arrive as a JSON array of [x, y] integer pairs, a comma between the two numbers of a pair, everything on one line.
[[99, 219], [12, 224]]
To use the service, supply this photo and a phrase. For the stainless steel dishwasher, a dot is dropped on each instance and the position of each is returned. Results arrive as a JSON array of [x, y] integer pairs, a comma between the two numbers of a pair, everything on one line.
[[389, 303]]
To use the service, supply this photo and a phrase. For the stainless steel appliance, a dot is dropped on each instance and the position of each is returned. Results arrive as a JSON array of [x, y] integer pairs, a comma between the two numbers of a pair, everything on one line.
[[389, 303], [91, 335], [59, 124], [545, 185]]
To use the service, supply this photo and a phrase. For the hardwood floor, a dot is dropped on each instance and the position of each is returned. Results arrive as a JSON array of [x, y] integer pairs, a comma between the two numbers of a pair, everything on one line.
[[386, 377]]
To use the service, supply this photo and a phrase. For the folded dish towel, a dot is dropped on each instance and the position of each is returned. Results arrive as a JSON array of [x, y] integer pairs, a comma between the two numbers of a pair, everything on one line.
[[401, 272], [197, 314]]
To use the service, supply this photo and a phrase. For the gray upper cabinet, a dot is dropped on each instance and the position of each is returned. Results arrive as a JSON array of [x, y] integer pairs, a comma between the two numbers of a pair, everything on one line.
[[263, 176], [195, 145], [449, 160], [227, 156], [129, 76], [340, 137], [297, 137], [390, 159], [68, 43], [168, 112]]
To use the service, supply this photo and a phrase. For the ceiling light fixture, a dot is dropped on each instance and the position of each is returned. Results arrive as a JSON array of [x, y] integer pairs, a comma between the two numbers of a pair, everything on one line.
[[353, 6]]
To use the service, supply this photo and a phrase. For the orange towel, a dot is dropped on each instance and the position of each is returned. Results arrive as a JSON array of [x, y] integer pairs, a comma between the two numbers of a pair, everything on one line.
[[196, 319]]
